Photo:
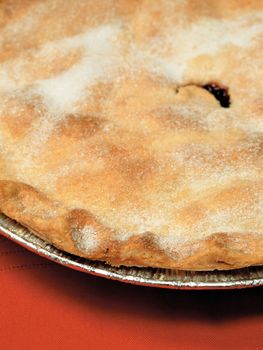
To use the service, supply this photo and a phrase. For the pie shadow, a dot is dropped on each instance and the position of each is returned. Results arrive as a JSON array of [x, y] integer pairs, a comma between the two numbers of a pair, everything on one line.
[[149, 302], [90, 291]]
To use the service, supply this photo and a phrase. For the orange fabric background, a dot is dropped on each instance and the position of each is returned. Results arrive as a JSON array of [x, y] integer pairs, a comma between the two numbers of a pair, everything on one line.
[[47, 306]]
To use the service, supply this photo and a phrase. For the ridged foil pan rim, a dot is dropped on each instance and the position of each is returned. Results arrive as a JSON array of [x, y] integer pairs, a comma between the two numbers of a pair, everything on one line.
[[163, 278]]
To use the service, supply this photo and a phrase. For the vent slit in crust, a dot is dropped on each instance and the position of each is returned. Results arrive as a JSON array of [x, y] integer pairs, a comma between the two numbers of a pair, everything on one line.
[[220, 92]]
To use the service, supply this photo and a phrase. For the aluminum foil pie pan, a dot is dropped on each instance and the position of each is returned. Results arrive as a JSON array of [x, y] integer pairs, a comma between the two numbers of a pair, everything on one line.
[[164, 278]]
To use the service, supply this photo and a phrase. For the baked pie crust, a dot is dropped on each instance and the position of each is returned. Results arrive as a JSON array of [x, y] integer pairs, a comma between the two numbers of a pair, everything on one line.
[[131, 131]]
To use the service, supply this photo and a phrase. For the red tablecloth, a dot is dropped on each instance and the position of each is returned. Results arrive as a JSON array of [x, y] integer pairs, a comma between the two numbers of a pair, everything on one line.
[[47, 306]]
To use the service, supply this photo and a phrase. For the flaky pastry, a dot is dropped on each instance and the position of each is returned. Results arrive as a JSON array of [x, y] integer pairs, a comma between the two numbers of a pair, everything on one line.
[[131, 131]]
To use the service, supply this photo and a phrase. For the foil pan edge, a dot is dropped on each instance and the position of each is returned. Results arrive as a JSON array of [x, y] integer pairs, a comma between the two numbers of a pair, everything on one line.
[[162, 278]]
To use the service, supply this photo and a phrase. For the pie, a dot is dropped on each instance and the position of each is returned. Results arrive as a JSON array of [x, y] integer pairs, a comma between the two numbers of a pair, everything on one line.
[[131, 131]]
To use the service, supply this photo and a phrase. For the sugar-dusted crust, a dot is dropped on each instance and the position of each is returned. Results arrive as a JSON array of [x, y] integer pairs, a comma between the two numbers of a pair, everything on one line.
[[63, 227], [110, 147]]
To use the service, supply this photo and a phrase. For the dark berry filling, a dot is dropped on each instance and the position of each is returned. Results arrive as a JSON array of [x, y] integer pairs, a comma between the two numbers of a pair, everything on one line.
[[220, 93]]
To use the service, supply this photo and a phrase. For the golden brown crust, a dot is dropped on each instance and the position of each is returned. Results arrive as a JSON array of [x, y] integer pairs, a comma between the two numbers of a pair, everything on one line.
[[110, 147], [61, 228]]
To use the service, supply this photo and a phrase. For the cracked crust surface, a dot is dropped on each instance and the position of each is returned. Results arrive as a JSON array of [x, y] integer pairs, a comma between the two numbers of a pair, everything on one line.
[[109, 146]]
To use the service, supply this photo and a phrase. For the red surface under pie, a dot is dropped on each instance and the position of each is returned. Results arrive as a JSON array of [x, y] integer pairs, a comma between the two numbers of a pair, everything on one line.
[[47, 306]]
